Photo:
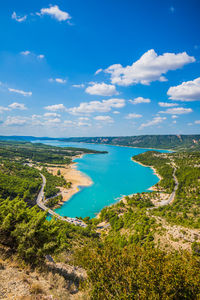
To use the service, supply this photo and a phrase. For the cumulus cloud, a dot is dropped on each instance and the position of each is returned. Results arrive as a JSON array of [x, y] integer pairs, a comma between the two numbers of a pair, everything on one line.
[[52, 121], [116, 112], [186, 91], [101, 89], [79, 85], [139, 100], [150, 67], [3, 108], [98, 71], [17, 121], [58, 80], [16, 105], [177, 111], [154, 121], [97, 106], [21, 92], [18, 18], [166, 104], [174, 117], [197, 122], [56, 107], [106, 119], [40, 56], [56, 13], [68, 122], [27, 52], [84, 119], [83, 124], [133, 116], [49, 115]]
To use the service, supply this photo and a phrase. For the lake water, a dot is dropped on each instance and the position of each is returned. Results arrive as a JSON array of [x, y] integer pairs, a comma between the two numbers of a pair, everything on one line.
[[113, 175]]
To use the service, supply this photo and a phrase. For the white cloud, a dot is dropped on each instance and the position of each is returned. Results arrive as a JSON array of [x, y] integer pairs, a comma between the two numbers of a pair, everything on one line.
[[40, 56], [3, 108], [79, 85], [84, 119], [68, 122], [55, 12], [197, 122], [106, 119], [17, 120], [25, 52], [52, 121], [34, 117], [133, 116], [174, 117], [49, 115], [116, 112], [101, 89], [83, 124], [154, 121], [20, 92], [174, 122], [16, 105], [58, 80], [166, 104], [186, 91], [177, 111], [97, 106], [139, 100], [150, 67], [98, 71], [56, 107], [18, 18]]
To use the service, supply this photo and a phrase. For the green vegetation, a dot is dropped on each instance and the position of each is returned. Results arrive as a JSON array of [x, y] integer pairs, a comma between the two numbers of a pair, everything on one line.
[[52, 202], [139, 273], [120, 250], [129, 222], [185, 208], [178, 142], [52, 183], [40, 153], [162, 164], [28, 233], [19, 180]]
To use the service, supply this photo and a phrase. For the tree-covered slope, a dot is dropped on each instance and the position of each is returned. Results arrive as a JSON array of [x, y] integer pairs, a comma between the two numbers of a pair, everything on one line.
[[190, 142]]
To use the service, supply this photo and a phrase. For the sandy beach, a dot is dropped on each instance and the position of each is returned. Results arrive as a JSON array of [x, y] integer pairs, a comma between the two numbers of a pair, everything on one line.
[[71, 174]]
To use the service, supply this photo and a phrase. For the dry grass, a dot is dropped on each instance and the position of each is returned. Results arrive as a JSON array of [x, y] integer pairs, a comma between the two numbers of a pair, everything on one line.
[[36, 288]]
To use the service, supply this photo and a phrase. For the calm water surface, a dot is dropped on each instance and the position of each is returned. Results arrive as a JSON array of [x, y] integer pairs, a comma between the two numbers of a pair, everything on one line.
[[113, 175]]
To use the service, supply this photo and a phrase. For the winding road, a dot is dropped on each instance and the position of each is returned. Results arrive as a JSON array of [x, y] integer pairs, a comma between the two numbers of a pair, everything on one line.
[[172, 196], [40, 203]]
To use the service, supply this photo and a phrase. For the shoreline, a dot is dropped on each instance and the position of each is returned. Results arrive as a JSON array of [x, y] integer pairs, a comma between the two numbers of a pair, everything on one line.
[[80, 179], [125, 146], [71, 174], [152, 188]]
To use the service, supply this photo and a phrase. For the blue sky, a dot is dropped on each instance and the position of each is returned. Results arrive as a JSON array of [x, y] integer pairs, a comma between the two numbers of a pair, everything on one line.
[[93, 68]]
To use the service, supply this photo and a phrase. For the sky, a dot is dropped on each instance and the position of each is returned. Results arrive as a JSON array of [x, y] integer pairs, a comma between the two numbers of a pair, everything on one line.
[[99, 67]]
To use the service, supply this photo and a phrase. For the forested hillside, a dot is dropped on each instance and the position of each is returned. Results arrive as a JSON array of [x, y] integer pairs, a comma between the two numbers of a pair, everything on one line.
[[190, 142], [176, 142], [135, 249]]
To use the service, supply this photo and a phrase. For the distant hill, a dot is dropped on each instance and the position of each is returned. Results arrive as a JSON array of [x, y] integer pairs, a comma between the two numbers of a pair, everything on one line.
[[178, 142], [175, 142]]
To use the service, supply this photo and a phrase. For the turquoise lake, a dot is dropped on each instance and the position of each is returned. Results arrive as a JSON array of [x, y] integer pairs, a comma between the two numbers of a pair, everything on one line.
[[114, 175]]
